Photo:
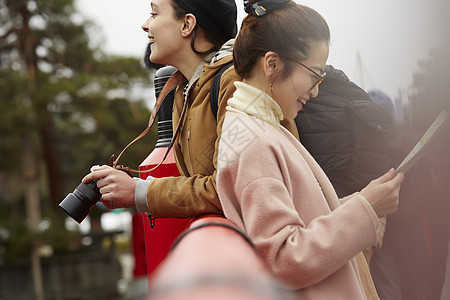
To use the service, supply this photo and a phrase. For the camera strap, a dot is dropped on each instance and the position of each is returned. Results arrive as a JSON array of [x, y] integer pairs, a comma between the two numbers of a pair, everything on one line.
[[171, 83]]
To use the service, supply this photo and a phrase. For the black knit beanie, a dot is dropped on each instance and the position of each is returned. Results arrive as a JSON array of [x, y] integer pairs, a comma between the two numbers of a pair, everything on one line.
[[216, 16]]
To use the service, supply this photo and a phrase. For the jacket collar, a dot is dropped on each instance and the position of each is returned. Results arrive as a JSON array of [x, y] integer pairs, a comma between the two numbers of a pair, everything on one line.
[[254, 102], [225, 50], [212, 58]]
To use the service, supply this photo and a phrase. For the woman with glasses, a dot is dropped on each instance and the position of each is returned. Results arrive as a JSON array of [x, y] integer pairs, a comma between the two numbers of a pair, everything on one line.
[[268, 184]]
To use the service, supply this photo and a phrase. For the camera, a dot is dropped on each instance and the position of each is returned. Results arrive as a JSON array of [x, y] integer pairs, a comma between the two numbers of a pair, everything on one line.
[[78, 204]]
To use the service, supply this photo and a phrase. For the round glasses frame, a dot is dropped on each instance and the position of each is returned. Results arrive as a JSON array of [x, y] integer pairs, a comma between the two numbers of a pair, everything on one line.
[[319, 78]]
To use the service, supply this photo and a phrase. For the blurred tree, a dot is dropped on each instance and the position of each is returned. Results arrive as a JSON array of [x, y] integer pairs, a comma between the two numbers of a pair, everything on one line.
[[412, 261], [428, 97], [65, 105], [431, 87]]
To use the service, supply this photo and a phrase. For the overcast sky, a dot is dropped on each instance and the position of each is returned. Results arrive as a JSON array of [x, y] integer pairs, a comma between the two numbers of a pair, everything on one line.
[[388, 37]]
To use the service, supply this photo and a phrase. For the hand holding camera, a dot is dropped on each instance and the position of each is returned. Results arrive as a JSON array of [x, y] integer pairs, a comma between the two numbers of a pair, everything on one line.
[[115, 189]]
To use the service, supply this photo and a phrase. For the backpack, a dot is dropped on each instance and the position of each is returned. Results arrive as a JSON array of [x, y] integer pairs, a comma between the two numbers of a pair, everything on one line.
[[215, 89], [164, 73]]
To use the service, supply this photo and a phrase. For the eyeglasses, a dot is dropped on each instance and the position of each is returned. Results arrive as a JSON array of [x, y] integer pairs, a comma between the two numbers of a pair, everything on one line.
[[319, 78]]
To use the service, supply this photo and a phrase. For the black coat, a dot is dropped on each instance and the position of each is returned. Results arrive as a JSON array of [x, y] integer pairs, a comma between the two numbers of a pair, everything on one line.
[[346, 132]]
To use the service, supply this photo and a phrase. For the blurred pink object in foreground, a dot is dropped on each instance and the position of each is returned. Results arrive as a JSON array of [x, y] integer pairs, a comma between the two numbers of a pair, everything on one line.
[[212, 259]]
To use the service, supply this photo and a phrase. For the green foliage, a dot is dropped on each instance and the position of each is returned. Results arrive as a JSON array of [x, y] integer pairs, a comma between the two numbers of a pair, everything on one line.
[[75, 104], [12, 118], [21, 240]]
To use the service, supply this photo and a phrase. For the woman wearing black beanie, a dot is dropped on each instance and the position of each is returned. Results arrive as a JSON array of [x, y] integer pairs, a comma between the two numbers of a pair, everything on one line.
[[196, 37]]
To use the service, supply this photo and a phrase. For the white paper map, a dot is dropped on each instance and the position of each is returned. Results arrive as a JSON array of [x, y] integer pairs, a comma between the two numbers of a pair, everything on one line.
[[419, 149]]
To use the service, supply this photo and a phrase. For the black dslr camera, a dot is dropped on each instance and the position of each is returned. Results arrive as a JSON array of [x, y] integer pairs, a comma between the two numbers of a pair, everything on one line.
[[79, 203]]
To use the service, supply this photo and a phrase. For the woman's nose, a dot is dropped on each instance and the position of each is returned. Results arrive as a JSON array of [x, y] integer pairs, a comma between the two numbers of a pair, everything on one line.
[[146, 26], [314, 91]]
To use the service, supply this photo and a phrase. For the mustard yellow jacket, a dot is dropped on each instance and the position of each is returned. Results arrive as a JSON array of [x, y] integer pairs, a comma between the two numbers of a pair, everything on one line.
[[194, 192]]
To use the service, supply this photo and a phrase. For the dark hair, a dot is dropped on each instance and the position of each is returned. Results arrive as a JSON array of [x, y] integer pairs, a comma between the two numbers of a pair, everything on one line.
[[213, 38], [288, 30]]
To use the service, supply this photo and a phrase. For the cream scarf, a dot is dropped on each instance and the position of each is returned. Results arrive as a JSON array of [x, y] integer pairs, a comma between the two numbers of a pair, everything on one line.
[[254, 102]]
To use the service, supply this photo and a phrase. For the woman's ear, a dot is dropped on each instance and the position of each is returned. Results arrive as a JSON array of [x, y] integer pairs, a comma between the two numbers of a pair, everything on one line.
[[188, 25], [272, 63]]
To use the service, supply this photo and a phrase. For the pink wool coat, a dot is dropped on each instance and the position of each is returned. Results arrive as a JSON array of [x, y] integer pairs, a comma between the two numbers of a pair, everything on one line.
[[273, 189]]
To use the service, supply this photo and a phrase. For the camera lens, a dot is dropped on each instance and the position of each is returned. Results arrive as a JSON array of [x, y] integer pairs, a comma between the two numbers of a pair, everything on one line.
[[79, 203]]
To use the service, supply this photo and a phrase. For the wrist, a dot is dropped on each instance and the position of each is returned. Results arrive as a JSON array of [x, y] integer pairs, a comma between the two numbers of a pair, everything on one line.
[[140, 194]]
